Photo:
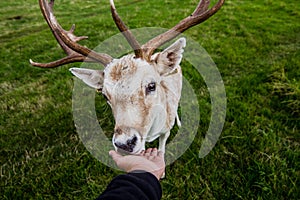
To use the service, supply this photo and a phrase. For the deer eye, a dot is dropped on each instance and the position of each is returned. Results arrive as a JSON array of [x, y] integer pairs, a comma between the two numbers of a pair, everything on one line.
[[151, 87]]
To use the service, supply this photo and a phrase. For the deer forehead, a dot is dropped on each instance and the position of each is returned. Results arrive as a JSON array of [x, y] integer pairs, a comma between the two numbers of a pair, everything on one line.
[[128, 74]]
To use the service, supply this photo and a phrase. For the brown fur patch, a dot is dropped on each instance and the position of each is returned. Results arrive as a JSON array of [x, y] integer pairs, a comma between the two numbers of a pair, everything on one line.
[[163, 85], [168, 115], [116, 72], [125, 66], [144, 108], [168, 110]]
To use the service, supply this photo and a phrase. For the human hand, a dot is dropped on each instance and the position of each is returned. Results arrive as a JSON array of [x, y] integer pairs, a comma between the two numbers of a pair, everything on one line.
[[150, 160]]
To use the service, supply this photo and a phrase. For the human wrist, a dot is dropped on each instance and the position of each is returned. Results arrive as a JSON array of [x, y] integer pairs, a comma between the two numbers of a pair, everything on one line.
[[154, 173], [148, 168]]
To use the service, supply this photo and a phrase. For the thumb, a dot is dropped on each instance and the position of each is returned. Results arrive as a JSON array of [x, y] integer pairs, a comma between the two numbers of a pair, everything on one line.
[[115, 156]]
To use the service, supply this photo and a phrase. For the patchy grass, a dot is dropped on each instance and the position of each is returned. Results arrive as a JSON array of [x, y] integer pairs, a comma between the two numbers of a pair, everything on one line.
[[256, 46]]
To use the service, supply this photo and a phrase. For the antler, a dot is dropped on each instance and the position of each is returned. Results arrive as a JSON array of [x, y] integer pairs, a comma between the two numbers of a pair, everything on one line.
[[77, 53], [125, 31], [68, 42], [200, 14]]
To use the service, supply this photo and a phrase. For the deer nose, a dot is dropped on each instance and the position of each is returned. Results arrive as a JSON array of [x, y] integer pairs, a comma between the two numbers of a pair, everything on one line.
[[128, 146]]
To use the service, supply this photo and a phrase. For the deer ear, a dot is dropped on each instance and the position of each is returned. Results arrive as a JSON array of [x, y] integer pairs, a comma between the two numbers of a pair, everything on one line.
[[93, 78], [169, 58]]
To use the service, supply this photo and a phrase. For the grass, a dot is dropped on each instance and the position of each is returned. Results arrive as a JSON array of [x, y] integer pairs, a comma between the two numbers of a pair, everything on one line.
[[256, 46]]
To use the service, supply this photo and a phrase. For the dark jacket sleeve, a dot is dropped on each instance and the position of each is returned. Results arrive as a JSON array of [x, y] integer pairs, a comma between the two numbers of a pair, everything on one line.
[[133, 186]]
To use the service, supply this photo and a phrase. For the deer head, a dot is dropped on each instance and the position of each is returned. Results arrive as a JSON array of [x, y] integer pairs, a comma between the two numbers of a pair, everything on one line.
[[143, 89]]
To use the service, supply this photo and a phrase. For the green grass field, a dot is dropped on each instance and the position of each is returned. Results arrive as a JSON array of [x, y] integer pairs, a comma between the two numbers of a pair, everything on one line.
[[256, 46]]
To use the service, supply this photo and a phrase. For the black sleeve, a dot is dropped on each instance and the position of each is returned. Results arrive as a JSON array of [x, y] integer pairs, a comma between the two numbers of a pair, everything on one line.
[[133, 186]]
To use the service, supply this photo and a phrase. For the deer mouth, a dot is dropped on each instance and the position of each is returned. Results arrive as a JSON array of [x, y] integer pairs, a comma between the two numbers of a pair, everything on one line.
[[125, 144], [128, 146], [125, 152]]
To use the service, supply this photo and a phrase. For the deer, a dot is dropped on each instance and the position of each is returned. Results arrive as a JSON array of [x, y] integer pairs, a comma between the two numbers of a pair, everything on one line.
[[142, 88]]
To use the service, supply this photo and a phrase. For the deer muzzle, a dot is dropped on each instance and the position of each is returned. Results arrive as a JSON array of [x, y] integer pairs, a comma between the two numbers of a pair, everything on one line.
[[127, 140]]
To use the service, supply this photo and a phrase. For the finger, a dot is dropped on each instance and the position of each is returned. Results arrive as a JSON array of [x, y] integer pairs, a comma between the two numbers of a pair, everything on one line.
[[154, 152], [142, 152], [148, 152], [115, 156]]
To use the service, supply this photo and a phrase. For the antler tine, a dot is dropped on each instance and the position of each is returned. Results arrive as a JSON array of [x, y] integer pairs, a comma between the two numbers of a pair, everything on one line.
[[125, 31], [66, 60], [202, 7], [200, 14], [68, 42]]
